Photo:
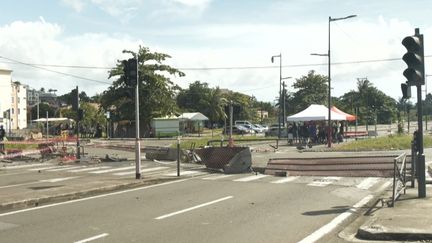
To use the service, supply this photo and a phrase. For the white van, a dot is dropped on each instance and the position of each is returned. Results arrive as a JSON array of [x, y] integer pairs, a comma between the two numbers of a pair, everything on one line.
[[243, 123]]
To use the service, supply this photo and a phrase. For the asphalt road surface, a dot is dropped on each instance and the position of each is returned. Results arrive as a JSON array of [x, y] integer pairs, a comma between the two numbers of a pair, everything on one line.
[[207, 208]]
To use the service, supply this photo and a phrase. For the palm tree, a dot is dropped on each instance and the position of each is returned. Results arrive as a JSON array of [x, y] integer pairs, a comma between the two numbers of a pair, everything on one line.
[[214, 104]]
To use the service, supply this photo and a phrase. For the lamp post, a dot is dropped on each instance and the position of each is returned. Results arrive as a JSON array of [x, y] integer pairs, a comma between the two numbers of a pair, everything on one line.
[[283, 100], [280, 84], [330, 19]]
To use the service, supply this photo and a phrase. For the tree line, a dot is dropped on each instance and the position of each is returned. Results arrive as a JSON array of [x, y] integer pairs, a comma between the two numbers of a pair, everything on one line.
[[160, 97]]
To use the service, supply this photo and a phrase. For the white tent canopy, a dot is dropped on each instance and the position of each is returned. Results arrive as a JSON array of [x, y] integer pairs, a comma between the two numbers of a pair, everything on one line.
[[52, 119], [315, 113], [193, 116]]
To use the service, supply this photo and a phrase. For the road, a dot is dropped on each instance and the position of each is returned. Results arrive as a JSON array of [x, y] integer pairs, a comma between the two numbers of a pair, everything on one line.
[[206, 208]]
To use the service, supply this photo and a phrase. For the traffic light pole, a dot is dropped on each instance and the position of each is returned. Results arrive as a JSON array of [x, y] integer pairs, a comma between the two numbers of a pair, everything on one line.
[[137, 129], [421, 170]]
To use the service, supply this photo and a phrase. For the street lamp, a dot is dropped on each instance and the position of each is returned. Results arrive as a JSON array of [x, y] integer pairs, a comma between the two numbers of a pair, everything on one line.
[[329, 134], [283, 100], [280, 84]]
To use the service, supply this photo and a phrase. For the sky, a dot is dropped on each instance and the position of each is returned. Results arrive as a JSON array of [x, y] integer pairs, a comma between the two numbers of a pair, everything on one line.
[[225, 43]]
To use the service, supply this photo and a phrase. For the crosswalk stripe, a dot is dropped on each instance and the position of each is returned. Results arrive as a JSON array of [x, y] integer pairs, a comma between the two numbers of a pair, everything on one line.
[[59, 179], [187, 172], [23, 166], [142, 170], [251, 178], [324, 181], [285, 180], [90, 169], [112, 170], [64, 168], [216, 177], [44, 168], [367, 183]]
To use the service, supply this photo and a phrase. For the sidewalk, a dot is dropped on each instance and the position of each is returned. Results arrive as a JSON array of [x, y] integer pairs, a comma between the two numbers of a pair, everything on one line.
[[409, 220]]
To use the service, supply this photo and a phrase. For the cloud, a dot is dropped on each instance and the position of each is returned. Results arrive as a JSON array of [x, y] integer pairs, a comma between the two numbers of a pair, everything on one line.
[[218, 45], [77, 5], [47, 43]]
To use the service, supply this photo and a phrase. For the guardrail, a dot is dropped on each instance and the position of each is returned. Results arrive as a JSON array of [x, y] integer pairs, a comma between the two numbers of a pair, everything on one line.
[[399, 178]]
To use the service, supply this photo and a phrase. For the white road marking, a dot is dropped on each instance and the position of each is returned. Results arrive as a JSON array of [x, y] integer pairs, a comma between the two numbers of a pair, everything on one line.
[[93, 238], [22, 184], [195, 207], [112, 170], [45, 168], [315, 236], [142, 171], [40, 181], [187, 172], [59, 179], [251, 178], [217, 177], [324, 181], [368, 183], [90, 198], [89, 169], [22, 166], [285, 180], [64, 168]]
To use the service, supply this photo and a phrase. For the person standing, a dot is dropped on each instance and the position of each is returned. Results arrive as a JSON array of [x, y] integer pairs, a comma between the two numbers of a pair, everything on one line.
[[2, 135]]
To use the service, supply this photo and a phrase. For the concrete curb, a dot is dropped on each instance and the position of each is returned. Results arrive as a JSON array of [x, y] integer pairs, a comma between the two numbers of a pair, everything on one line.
[[379, 232], [34, 202]]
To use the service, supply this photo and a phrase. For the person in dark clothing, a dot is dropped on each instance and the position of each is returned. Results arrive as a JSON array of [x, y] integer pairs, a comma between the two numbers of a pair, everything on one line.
[[2, 135]]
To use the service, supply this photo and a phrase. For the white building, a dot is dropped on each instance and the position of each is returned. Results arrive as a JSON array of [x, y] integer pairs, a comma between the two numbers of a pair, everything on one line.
[[5, 95], [18, 112], [13, 102]]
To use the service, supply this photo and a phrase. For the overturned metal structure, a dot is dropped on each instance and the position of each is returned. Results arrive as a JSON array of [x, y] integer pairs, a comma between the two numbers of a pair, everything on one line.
[[230, 160]]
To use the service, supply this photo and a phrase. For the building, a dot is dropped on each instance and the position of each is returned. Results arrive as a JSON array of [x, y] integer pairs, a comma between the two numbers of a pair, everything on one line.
[[18, 111], [5, 96]]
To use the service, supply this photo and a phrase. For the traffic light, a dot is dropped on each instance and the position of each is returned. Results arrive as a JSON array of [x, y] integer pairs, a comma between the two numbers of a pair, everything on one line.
[[414, 58], [75, 99], [130, 71], [406, 91]]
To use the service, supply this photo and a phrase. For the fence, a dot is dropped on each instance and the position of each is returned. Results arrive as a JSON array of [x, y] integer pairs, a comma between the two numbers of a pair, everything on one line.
[[399, 178]]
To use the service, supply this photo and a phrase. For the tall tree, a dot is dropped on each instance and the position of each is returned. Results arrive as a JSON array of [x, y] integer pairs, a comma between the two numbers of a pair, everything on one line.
[[311, 89], [156, 90]]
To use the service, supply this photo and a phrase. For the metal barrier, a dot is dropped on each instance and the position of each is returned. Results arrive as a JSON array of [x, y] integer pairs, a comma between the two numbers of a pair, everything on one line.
[[399, 178], [244, 142]]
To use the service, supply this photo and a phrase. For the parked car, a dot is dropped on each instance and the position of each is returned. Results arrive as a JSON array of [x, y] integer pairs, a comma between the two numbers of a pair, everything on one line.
[[264, 128], [237, 129], [251, 128]]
